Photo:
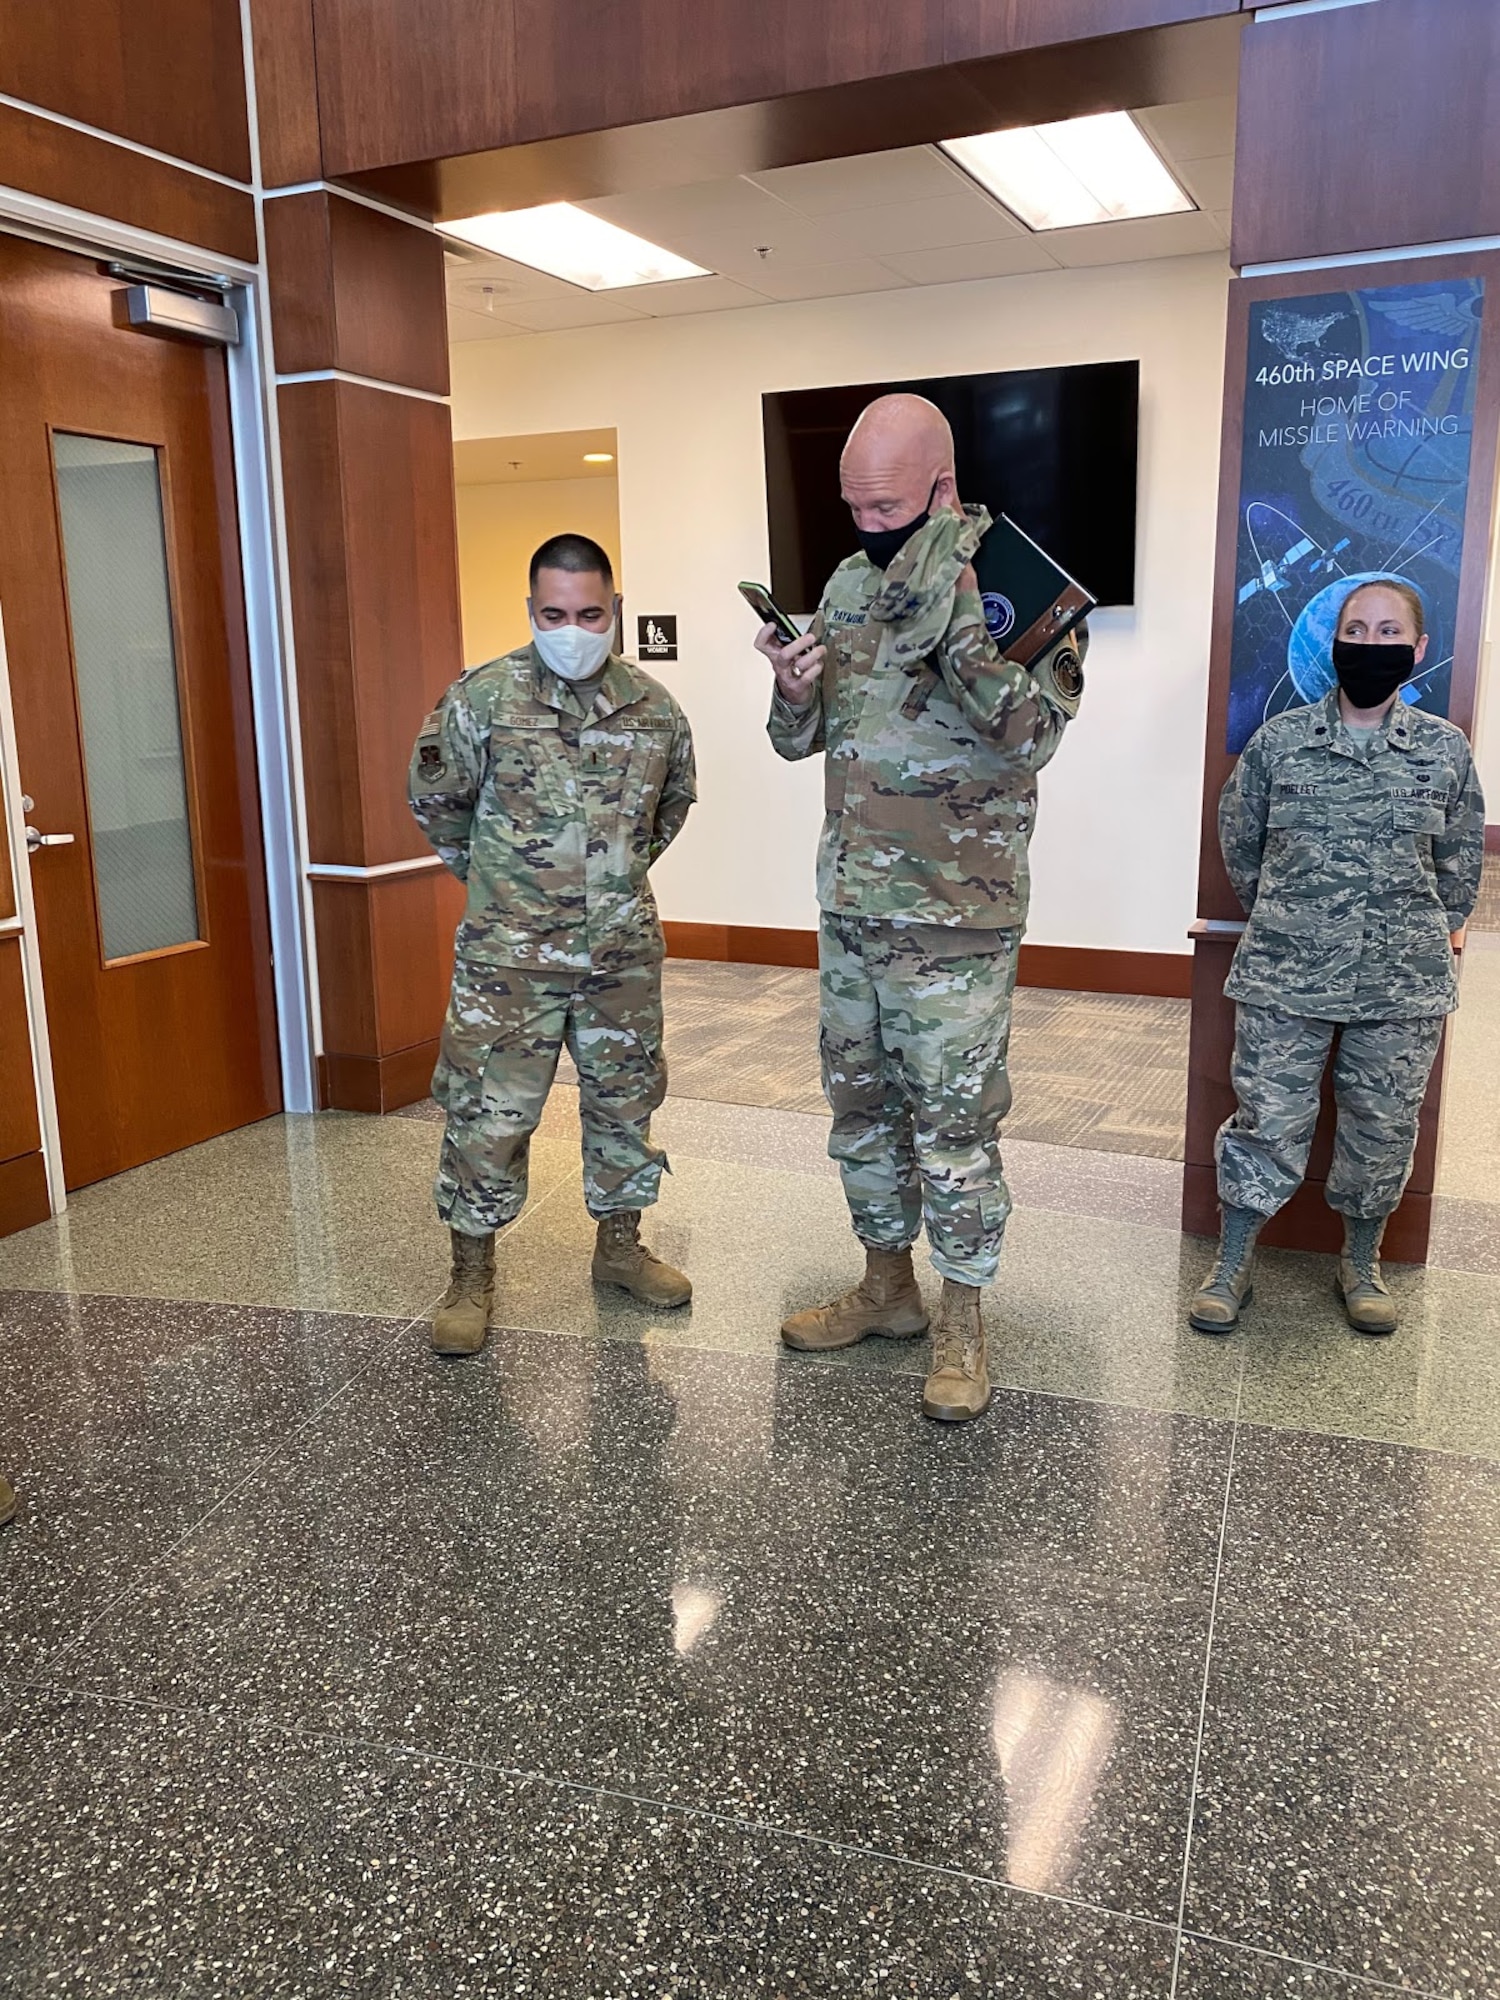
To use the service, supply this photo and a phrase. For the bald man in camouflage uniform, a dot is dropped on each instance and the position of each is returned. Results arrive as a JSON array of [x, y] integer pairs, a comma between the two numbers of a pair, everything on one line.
[[932, 740], [551, 799]]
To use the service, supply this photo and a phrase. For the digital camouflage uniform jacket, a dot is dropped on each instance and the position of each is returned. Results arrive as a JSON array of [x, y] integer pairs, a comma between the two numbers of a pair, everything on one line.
[[932, 739], [1353, 869], [552, 809]]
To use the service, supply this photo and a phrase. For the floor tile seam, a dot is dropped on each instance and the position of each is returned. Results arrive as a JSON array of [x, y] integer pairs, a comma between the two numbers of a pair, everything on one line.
[[302, 1734], [1473, 1458], [1361, 1979], [260, 1464], [1208, 1660]]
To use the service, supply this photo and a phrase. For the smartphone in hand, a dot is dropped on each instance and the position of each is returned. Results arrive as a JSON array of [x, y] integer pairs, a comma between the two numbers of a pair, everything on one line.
[[769, 612]]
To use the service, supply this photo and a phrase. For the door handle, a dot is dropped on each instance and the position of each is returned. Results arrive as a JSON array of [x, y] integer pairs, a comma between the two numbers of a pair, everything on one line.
[[34, 840]]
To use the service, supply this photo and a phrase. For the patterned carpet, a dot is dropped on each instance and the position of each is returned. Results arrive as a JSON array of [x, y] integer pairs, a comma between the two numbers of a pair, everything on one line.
[[1486, 915], [1088, 1069]]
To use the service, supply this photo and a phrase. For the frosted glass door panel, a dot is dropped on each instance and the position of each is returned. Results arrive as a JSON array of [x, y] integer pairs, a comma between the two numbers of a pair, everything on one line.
[[125, 658]]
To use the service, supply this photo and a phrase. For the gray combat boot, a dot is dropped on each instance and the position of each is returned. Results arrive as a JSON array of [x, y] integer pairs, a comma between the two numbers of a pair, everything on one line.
[[462, 1319], [621, 1258], [1216, 1303], [7, 1500], [959, 1386], [886, 1302], [1368, 1305]]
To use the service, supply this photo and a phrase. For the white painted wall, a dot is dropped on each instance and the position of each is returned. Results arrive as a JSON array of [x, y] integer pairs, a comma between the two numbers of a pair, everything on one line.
[[1116, 852]]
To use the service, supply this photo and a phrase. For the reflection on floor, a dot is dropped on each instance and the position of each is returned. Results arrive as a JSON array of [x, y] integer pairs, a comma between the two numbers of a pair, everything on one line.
[[637, 1657]]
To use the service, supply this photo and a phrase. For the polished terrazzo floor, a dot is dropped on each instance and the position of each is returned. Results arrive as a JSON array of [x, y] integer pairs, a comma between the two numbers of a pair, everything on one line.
[[639, 1658]]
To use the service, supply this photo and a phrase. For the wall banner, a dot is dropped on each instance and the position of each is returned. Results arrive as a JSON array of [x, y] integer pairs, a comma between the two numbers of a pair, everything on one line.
[[1359, 415]]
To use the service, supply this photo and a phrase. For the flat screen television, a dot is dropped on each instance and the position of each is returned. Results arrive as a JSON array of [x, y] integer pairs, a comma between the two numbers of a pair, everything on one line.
[[1055, 448]]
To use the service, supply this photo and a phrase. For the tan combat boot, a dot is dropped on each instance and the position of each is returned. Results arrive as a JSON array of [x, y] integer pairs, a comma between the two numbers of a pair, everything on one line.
[[959, 1386], [886, 1302], [7, 1500], [1368, 1304], [1216, 1304], [621, 1258], [461, 1321]]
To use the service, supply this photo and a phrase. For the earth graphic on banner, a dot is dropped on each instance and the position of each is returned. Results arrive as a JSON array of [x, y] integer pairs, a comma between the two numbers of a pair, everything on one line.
[[1309, 646]]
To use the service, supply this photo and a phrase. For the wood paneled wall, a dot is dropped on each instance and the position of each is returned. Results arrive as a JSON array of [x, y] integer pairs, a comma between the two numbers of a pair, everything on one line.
[[166, 73], [87, 173], [403, 83], [1366, 128], [373, 548], [342, 277], [286, 91]]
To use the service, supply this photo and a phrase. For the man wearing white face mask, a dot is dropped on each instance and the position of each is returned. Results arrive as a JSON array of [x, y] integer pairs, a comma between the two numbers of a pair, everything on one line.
[[549, 781]]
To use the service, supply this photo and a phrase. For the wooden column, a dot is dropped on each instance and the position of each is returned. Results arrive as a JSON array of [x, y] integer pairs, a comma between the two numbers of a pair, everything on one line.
[[372, 548], [1360, 129]]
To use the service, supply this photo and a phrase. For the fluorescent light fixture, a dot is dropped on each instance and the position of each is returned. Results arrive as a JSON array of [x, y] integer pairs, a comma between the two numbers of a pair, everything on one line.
[[598, 458], [1061, 176], [569, 243]]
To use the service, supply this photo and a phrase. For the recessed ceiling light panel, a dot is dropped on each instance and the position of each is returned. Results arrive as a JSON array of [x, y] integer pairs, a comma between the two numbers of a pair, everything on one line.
[[1081, 170], [571, 244]]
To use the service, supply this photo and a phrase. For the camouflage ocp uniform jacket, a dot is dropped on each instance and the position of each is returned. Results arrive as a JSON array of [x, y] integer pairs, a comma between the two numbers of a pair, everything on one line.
[[552, 809], [1353, 866], [932, 739]]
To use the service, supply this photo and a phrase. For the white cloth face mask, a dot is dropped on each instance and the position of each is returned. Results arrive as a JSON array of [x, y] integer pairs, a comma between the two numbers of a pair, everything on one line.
[[571, 652]]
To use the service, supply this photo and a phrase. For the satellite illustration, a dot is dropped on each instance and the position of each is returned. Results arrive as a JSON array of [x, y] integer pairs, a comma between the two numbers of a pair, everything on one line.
[[1356, 445]]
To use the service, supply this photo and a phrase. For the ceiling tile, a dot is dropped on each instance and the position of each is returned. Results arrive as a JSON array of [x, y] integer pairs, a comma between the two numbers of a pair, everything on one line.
[[1136, 241], [827, 281], [827, 187], [1209, 182], [728, 239], [688, 295], [582, 309], [480, 326], [1011, 255], [962, 217], [1196, 130], [492, 281]]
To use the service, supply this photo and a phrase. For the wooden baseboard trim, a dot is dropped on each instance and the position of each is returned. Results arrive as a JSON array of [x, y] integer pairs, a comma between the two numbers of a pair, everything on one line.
[[1164, 975], [376, 1084], [1068, 968], [23, 1193], [1307, 1222], [742, 944], [1492, 840]]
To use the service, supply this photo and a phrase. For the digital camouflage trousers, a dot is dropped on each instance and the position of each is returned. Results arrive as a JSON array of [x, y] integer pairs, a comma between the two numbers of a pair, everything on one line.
[[501, 1042], [914, 1045], [1380, 1072]]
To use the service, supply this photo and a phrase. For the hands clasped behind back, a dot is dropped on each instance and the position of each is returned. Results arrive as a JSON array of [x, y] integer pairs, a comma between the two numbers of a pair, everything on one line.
[[797, 668]]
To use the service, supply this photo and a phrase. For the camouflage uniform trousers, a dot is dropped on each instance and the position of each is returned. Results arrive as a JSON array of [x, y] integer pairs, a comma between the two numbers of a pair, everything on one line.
[[1380, 1072], [501, 1042], [913, 1045]]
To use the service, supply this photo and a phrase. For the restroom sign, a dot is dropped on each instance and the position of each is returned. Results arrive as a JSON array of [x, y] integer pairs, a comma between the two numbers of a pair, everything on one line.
[[657, 636]]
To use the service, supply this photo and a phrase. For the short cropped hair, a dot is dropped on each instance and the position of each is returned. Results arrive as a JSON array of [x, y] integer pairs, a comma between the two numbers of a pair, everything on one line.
[[1409, 595], [572, 552]]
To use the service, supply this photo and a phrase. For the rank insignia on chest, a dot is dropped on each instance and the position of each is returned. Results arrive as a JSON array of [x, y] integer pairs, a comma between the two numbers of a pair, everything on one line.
[[430, 763]]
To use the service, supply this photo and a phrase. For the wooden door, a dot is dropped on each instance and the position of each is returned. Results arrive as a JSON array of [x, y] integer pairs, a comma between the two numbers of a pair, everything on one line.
[[124, 625]]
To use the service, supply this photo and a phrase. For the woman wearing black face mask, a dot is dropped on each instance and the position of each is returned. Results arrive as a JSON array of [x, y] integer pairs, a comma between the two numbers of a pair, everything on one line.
[[1353, 832]]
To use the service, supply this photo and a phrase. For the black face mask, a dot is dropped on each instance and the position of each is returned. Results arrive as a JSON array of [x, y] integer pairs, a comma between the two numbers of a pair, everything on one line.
[[1371, 674], [883, 545]]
